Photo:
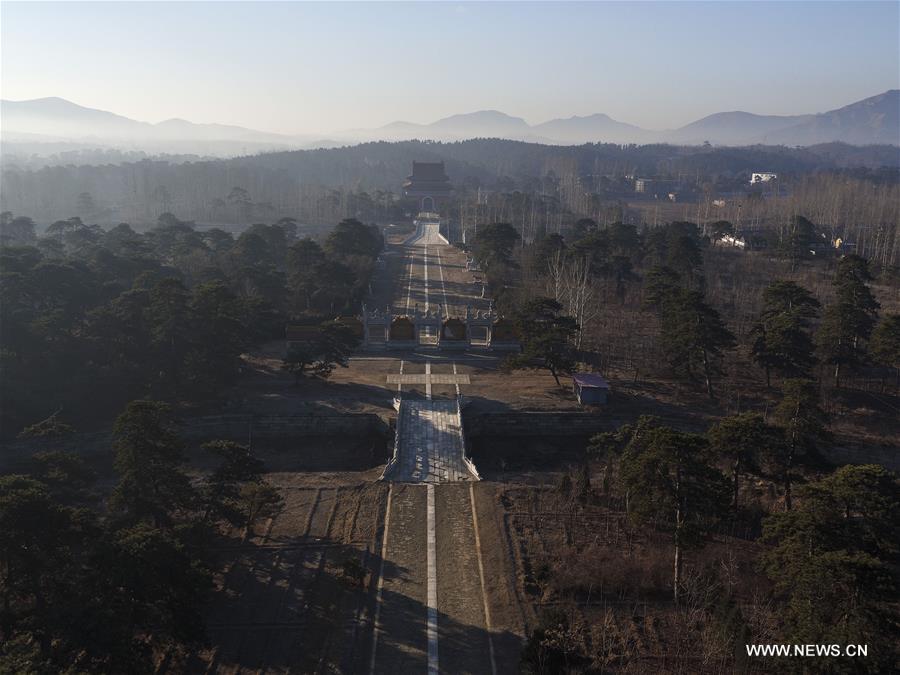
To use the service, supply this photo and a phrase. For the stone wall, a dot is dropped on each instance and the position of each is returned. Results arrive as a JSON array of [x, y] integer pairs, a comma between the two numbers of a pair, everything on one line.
[[889, 458], [196, 430], [583, 425], [554, 424], [240, 427]]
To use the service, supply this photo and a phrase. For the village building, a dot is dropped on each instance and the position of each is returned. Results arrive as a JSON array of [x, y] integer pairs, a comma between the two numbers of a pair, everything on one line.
[[762, 177]]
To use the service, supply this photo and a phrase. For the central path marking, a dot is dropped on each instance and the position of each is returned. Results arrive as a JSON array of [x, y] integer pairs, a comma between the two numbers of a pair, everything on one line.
[[426, 278], [428, 380], [432, 584]]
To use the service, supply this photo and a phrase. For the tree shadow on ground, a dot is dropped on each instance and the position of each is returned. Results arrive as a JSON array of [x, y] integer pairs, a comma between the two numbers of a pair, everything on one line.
[[290, 608]]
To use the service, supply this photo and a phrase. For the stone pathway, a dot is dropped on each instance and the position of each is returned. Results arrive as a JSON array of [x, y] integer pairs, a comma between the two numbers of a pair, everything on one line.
[[430, 446], [428, 378]]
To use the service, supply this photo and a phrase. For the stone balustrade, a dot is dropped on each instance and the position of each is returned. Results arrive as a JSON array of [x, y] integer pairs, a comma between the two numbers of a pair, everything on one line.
[[434, 327]]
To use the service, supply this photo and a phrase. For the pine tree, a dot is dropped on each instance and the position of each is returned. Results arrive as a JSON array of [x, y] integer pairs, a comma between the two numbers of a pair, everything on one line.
[[782, 340], [848, 322], [833, 557], [804, 423], [694, 337], [149, 460], [669, 477], [886, 343], [692, 332], [797, 240], [741, 441], [546, 336]]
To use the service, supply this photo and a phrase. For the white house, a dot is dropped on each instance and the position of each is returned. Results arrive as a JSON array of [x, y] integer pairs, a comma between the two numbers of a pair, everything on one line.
[[762, 177]]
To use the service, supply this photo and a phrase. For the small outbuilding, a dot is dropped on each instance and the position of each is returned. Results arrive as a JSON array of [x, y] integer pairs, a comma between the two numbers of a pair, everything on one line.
[[590, 388]]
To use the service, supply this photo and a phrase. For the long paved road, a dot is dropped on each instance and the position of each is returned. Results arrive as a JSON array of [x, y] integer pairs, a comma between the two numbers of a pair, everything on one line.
[[427, 272], [433, 606]]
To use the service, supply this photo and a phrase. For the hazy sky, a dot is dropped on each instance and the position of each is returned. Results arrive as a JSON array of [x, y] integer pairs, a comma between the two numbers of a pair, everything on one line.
[[296, 67]]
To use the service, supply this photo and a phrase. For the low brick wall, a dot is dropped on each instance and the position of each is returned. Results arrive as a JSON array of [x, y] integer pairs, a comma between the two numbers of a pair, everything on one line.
[[537, 424], [240, 427], [889, 458], [195, 430], [582, 425]]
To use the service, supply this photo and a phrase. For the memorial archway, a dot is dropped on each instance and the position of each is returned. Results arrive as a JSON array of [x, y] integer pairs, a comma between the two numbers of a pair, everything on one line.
[[402, 330], [453, 330]]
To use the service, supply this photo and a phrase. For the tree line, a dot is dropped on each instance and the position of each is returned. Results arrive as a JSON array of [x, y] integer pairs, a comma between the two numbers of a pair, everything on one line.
[[831, 557], [164, 314], [326, 185], [557, 277], [96, 582], [829, 543]]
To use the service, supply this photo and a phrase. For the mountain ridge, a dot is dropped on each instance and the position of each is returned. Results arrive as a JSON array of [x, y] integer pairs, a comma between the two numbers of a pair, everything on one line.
[[873, 120]]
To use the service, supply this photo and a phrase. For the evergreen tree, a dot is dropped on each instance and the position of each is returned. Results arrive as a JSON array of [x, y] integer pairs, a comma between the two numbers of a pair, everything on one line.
[[803, 422], [220, 492], [797, 240], [149, 459], [834, 560], [218, 337], [546, 337], [692, 333], [670, 479], [684, 255], [170, 328], [36, 538], [886, 343], [259, 499], [694, 337], [741, 441], [494, 245], [155, 585], [782, 340], [848, 322], [328, 347], [303, 258], [608, 447]]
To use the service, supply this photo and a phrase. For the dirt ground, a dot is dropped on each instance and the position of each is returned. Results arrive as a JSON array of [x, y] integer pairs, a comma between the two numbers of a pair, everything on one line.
[[282, 602], [613, 583]]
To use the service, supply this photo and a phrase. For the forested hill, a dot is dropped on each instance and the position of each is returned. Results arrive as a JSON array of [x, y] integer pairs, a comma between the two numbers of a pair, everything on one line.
[[283, 184], [384, 165]]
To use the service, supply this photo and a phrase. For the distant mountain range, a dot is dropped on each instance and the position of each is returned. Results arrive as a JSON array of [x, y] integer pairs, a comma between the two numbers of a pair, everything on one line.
[[56, 120], [25, 125], [871, 121]]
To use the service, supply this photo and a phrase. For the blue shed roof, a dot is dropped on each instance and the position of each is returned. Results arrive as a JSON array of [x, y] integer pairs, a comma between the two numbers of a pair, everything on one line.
[[590, 380]]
